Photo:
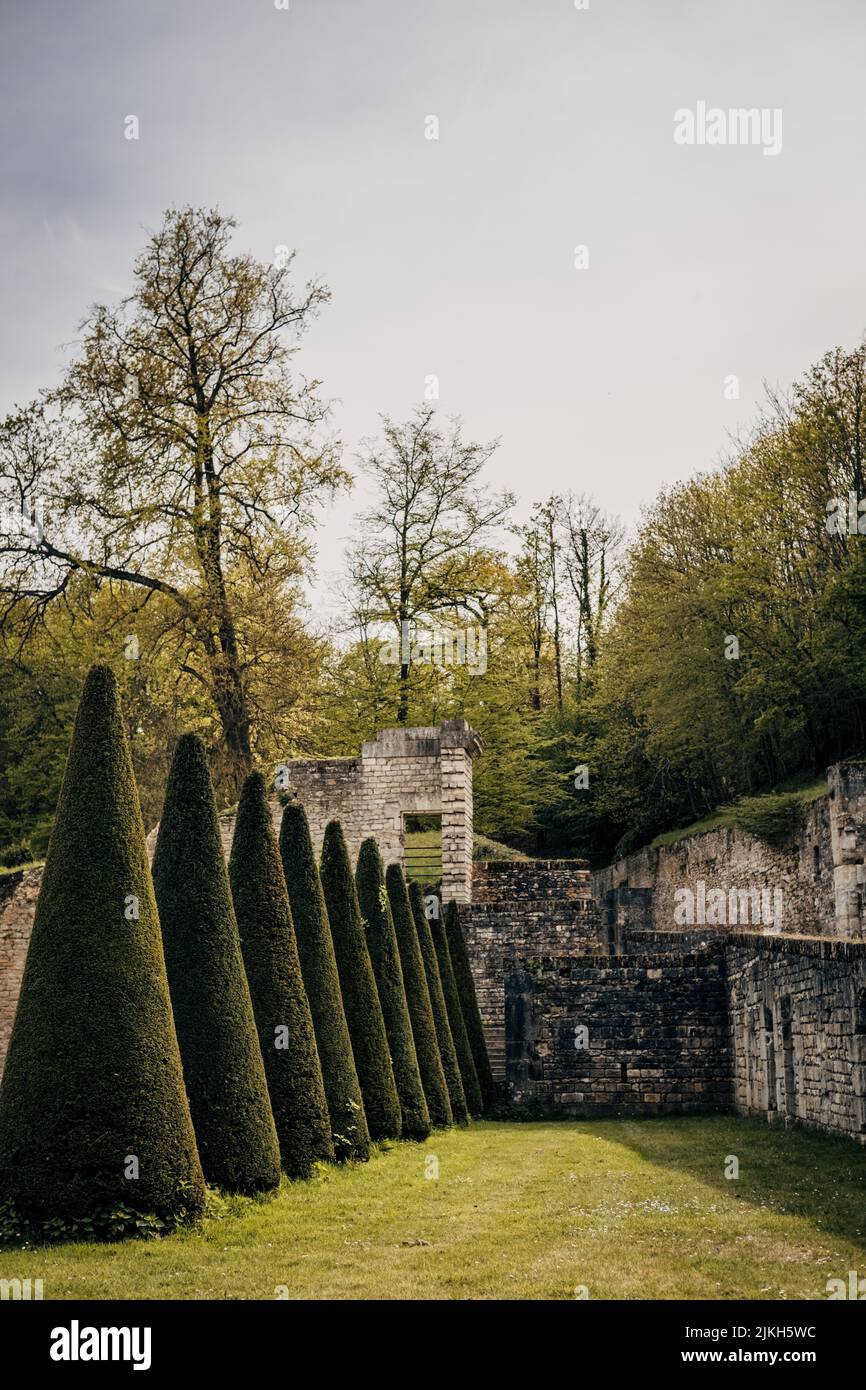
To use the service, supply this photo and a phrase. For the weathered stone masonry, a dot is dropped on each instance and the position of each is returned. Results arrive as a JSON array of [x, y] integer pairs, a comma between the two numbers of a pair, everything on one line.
[[401, 772], [798, 1020], [534, 908], [768, 1024], [639, 1035], [18, 893], [821, 872]]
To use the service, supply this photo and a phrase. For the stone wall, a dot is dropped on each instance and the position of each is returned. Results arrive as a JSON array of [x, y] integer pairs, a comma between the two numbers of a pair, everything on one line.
[[769, 1025], [18, 893], [401, 772], [798, 1013], [645, 1035], [531, 908], [820, 873], [678, 1017]]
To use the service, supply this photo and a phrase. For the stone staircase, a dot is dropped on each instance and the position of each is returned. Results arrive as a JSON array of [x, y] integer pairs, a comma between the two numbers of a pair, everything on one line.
[[523, 909]]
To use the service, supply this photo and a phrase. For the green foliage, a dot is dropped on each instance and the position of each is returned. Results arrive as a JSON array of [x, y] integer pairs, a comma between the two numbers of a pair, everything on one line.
[[418, 1000], [469, 1002], [385, 958], [770, 818], [37, 712], [19, 852], [358, 985], [119, 1222], [93, 1074], [674, 728], [483, 849], [447, 1051], [591, 658], [280, 1005], [193, 367], [321, 979], [462, 1046], [222, 1061]]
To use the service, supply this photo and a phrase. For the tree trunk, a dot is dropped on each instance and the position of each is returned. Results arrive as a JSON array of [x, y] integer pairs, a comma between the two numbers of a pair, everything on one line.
[[403, 696], [231, 702]]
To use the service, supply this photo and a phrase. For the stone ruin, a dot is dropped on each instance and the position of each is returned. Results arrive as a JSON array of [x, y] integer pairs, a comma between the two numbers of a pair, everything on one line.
[[401, 772], [592, 1002]]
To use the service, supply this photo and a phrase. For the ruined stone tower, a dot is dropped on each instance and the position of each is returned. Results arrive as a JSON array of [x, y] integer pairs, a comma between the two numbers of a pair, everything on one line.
[[404, 771]]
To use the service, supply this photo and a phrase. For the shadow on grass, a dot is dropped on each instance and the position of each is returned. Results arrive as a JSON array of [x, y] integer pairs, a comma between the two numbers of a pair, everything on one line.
[[796, 1171]]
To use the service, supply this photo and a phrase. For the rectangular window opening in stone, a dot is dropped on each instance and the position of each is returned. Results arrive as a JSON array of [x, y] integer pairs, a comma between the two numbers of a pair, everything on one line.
[[422, 849]]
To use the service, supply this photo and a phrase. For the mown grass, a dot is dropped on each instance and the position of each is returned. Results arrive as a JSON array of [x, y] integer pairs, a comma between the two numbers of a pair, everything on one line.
[[626, 1209]]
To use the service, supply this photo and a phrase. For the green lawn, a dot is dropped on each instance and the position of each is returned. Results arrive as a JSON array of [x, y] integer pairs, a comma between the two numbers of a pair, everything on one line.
[[628, 1209]]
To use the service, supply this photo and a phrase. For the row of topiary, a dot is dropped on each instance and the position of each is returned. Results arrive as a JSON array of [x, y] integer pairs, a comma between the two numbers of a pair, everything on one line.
[[197, 1026]]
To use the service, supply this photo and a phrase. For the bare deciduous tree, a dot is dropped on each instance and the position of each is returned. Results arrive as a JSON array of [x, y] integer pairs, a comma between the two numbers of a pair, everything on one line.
[[423, 544]]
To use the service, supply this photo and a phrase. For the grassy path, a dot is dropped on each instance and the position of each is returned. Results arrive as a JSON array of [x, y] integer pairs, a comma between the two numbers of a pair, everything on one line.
[[627, 1209]]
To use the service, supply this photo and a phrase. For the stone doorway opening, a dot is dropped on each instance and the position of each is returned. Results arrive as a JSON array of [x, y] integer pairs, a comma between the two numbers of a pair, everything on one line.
[[422, 849]]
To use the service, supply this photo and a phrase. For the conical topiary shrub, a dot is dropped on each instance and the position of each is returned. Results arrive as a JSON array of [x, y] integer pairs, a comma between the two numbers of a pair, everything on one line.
[[385, 956], [418, 999], [280, 1004], [469, 1002], [222, 1060], [96, 1138], [319, 969], [465, 1059], [358, 985], [447, 1050]]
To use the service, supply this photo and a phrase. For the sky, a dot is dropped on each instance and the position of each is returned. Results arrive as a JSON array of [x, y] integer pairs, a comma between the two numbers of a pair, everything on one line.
[[606, 371]]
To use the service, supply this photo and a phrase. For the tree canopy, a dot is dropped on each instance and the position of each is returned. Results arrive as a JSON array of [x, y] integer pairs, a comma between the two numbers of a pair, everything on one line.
[[179, 458]]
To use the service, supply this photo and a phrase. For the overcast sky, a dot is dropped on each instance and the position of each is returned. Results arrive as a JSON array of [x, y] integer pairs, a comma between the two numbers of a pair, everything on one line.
[[456, 257]]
